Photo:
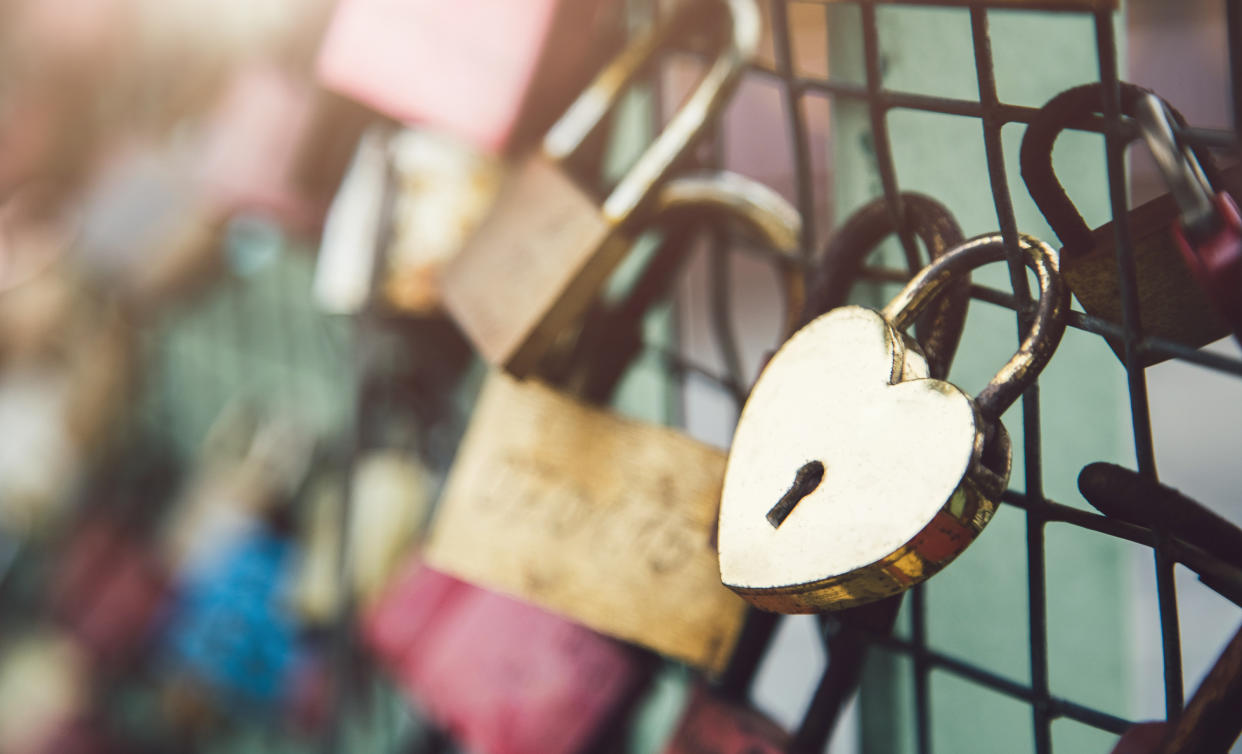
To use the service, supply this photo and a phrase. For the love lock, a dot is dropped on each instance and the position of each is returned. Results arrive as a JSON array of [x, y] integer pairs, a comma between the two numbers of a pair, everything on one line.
[[896, 473]]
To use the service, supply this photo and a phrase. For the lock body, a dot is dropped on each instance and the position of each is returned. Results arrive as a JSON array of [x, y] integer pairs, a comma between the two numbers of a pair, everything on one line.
[[497, 674], [600, 518], [109, 590], [906, 481], [1170, 304], [1170, 300], [533, 265], [711, 725], [229, 629]]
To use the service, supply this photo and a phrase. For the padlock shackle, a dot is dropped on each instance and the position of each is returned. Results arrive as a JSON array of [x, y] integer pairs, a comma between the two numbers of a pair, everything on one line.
[[1035, 157], [1047, 326], [763, 216], [841, 262], [682, 207], [1179, 166], [586, 113]]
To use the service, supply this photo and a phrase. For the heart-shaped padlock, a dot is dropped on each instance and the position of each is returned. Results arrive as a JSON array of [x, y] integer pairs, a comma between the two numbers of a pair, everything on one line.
[[892, 477]]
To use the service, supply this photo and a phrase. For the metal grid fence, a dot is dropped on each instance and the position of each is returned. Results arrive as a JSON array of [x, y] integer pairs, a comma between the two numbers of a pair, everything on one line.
[[992, 114]]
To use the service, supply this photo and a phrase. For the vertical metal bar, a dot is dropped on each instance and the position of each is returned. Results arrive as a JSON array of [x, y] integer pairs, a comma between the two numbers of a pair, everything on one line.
[[994, 150], [922, 670], [879, 134], [757, 634], [1233, 26], [1031, 434], [1136, 377], [782, 50]]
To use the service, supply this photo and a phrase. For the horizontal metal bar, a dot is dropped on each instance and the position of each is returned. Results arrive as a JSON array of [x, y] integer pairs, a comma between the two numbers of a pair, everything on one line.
[[1057, 707]]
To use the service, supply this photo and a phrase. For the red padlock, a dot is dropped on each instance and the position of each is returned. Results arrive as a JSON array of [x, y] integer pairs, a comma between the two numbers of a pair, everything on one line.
[[501, 676], [712, 725], [1209, 230], [495, 72], [109, 591]]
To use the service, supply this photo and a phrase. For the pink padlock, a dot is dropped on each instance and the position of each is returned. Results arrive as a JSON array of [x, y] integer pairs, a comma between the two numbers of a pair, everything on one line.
[[109, 591], [713, 725], [501, 676], [250, 147], [494, 72]]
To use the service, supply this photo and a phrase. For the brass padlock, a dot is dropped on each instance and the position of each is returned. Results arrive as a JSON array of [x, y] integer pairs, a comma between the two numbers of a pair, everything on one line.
[[548, 245], [849, 482], [604, 519], [1171, 304]]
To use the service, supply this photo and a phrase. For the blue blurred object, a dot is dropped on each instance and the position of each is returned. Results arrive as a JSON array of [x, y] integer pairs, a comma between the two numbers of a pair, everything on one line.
[[230, 627]]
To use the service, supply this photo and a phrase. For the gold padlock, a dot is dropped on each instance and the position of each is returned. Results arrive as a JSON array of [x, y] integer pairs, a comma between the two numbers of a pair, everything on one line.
[[548, 245], [848, 481], [1171, 304], [604, 519]]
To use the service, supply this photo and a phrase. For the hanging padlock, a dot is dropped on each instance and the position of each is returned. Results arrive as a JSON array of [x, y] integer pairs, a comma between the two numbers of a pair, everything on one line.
[[848, 481], [1170, 303], [1208, 544], [548, 245], [229, 630], [380, 518], [713, 725], [109, 590], [499, 675], [602, 518], [719, 725], [491, 71], [442, 190], [352, 232], [1209, 230]]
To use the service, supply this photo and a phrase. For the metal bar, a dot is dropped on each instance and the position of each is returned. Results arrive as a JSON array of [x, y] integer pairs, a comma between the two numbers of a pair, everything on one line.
[[1032, 457], [922, 670], [879, 136], [782, 50], [1057, 707], [1136, 377], [1233, 28]]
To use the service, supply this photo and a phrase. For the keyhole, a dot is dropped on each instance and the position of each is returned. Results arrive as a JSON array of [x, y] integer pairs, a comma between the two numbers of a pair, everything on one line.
[[804, 483]]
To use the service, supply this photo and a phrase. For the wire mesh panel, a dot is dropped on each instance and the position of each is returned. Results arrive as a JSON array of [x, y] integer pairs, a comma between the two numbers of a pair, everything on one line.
[[800, 92]]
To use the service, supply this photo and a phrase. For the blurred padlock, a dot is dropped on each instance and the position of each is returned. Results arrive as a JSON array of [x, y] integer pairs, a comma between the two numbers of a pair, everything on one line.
[[109, 590], [248, 150], [442, 190], [548, 246], [493, 72], [501, 676], [713, 725], [388, 503], [602, 518], [65, 361], [44, 690], [1170, 302], [354, 227], [230, 628]]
